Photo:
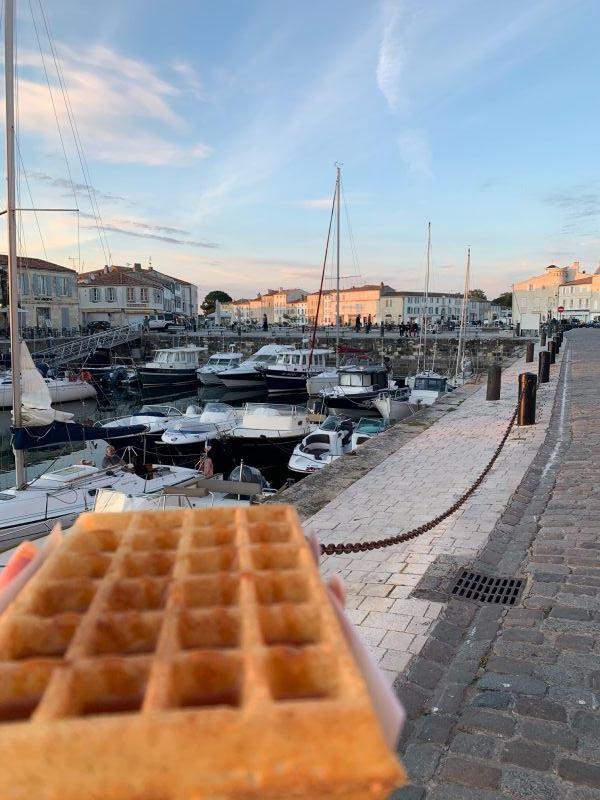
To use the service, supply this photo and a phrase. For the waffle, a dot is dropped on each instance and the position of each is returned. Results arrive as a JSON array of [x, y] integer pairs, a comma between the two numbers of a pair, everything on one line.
[[184, 655]]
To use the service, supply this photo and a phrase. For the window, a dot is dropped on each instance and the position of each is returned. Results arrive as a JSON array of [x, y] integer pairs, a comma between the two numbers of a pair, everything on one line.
[[95, 295], [110, 294], [23, 283], [157, 297], [144, 295], [131, 294]]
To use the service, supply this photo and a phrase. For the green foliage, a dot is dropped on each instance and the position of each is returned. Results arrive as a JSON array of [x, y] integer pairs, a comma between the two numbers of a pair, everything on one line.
[[477, 294], [208, 304], [504, 299]]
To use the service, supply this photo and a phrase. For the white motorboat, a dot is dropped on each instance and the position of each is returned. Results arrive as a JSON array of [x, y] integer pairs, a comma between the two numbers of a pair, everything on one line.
[[316, 384], [189, 431], [64, 493], [357, 389], [331, 440], [208, 375], [246, 375], [394, 404], [245, 485], [62, 390], [174, 367], [323, 446], [427, 387], [290, 371], [266, 432]]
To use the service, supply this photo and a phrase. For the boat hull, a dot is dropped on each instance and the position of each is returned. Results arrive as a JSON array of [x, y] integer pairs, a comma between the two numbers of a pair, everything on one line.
[[167, 377], [209, 379], [244, 380], [65, 392], [279, 382], [354, 406], [262, 451]]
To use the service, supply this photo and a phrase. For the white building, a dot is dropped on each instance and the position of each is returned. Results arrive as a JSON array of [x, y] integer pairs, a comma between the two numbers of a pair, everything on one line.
[[580, 298], [540, 293], [47, 294], [123, 295], [405, 307]]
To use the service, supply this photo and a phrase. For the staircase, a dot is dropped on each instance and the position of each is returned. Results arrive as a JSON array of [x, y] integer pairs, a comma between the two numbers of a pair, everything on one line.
[[81, 349]]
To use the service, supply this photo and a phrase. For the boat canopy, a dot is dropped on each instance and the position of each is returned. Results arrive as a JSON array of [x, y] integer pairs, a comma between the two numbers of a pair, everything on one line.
[[429, 384], [35, 436]]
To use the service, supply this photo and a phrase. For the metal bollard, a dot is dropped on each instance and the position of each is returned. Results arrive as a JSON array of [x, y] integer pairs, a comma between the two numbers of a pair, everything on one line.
[[556, 344], [529, 352], [543, 339], [552, 351], [560, 338], [527, 393], [494, 382], [544, 366]]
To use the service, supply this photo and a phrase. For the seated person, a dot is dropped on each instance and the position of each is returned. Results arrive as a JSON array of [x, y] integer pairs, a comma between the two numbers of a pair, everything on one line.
[[111, 459]]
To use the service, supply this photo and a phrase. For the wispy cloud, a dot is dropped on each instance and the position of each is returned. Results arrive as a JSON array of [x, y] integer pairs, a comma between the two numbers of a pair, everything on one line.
[[64, 184], [190, 78], [415, 152], [125, 111], [392, 54], [579, 206], [157, 237]]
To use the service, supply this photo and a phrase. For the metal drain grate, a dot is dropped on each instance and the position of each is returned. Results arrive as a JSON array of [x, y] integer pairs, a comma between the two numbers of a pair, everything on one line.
[[487, 588]]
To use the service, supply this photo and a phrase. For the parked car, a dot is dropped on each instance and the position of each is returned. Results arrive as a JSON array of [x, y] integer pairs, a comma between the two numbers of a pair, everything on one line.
[[163, 322], [97, 326]]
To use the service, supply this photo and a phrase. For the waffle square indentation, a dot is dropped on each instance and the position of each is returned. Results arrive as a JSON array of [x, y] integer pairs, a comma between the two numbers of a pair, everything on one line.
[[208, 679], [158, 563], [138, 593], [21, 688], [307, 673], [298, 624], [126, 634], [281, 587], [274, 556], [212, 535], [86, 565], [156, 539], [217, 628], [58, 597], [208, 590], [212, 559], [261, 532], [108, 686], [29, 636]]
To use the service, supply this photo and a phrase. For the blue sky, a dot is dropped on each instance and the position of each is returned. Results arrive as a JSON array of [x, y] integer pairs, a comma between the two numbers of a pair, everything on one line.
[[211, 130]]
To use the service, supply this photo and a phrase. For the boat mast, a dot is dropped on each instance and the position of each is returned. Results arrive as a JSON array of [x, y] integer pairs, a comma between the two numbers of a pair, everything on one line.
[[463, 317], [13, 282], [337, 274], [423, 331]]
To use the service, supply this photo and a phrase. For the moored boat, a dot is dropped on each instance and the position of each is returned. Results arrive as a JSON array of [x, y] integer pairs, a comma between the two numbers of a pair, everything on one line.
[[173, 366]]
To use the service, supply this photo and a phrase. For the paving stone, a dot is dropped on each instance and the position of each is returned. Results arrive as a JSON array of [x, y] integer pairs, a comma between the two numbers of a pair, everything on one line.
[[586, 723], [480, 719], [518, 684], [530, 756], [408, 793], [510, 666], [525, 785], [492, 700], [475, 774], [569, 641], [579, 772], [462, 793], [546, 733], [425, 673], [568, 612], [421, 761], [540, 708], [435, 728], [523, 635], [476, 745]]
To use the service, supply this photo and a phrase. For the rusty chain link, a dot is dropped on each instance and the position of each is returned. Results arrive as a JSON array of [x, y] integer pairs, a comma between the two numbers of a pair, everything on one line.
[[343, 548]]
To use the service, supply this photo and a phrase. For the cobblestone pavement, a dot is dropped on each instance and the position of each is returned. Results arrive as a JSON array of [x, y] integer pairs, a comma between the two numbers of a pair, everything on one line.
[[504, 703], [421, 479]]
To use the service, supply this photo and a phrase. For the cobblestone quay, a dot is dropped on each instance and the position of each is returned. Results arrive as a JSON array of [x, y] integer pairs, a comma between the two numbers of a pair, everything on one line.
[[504, 703]]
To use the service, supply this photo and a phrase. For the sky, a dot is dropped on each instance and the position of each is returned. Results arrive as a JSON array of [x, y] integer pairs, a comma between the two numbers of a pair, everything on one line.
[[211, 128]]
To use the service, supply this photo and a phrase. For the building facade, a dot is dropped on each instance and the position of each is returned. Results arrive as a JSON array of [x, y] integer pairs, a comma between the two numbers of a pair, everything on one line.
[[540, 293], [124, 295], [48, 296], [580, 298], [356, 301]]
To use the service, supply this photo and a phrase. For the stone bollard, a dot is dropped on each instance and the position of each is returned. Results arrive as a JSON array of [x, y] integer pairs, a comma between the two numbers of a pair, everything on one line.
[[529, 352], [544, 366], [552, 351], [543, 339], [494, 382], [527, 392]]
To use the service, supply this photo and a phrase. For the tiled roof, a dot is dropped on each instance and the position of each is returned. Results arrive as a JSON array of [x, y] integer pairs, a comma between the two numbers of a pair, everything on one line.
[[117, 276], [34, 263], [587, 279]]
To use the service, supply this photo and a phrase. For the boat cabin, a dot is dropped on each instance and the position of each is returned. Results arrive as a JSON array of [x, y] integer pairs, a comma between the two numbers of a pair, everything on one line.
[[299, 360], [274, 417], [225, 360], [178, 357], [427, 383], [371, 377]]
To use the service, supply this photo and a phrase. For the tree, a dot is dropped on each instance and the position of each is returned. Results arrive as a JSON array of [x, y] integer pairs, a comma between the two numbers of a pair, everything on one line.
[[477, 294], [209, 302], [504, 299]]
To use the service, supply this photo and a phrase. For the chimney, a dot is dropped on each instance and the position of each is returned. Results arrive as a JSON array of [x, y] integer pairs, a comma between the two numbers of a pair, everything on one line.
[[576, 266], [137, 267], [106, 269]]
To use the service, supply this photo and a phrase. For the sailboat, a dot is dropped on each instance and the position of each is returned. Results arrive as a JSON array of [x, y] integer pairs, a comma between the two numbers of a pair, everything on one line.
[[29, 509], [463, 366], [427, 385]]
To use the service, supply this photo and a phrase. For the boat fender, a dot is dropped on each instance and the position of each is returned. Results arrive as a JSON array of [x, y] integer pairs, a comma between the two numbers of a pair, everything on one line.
[[84, 375]]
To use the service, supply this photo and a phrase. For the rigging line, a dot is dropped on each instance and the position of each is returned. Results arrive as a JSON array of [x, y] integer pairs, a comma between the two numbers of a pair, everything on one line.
[[353, 248], [60, 136], [37, 221], [314, 331], [78, 142]]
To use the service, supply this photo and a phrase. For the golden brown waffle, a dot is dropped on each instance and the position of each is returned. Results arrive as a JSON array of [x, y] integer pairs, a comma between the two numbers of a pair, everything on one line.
[[184, 655]]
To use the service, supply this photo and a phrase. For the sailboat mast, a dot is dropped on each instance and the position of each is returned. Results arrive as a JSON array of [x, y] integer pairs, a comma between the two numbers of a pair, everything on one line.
[[337, 274], [463, 317], [13, 282], [426, 297]]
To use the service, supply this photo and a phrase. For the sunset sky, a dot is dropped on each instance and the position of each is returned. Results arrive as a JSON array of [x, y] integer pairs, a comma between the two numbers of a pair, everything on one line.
[[211, 130]]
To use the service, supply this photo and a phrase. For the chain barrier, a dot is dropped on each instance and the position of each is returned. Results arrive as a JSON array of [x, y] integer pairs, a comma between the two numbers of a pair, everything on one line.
[[344, 548]]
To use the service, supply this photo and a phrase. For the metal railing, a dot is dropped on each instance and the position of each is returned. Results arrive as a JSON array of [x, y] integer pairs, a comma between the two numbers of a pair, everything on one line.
[[79, 349]]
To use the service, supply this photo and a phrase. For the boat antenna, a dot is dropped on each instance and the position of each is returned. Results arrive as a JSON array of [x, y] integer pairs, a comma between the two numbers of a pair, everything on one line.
[[316, 321], [13, 283]]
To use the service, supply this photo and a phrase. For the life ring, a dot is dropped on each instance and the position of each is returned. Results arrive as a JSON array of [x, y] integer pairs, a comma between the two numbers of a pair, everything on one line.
[[86, 376]]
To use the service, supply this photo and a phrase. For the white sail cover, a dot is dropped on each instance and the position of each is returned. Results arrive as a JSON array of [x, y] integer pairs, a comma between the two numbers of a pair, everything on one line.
[[36, 405]]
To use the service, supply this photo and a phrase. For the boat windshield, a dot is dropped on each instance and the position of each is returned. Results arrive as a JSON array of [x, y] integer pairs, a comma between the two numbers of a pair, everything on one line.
[[158, 411], [370, 426], [267, 410], [332, 423], [430, 384]]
